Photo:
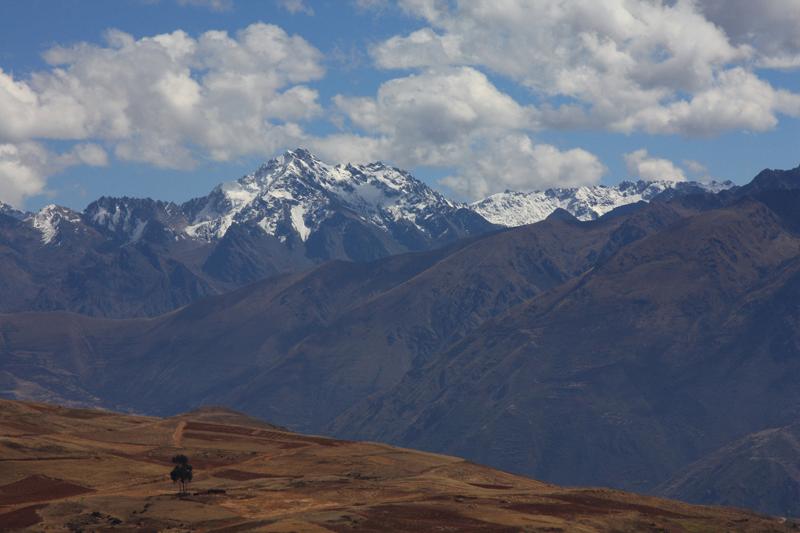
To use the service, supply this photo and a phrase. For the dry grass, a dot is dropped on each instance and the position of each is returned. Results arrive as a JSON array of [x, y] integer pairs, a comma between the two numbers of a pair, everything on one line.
[[63, 469]]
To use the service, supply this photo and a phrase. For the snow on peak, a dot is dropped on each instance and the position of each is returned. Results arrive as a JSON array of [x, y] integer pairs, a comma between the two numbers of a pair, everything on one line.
[[585, 203], [6, 209], [50, 219], [127, 218], [296, 192]]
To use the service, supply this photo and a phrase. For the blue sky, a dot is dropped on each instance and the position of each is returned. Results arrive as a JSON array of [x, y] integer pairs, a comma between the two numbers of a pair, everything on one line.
[[472, 96]]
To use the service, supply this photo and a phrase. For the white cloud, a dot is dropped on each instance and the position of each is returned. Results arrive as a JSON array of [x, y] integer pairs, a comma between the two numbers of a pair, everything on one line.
[[24, 167], [296, 6], [218, 93], [22, 171], [695, 167], [625, 65], [169, 99], [641, 165], [434, 118], [456, 118], [439, 106], [738, 100], [88, 154], [770, 27], [516, 163]]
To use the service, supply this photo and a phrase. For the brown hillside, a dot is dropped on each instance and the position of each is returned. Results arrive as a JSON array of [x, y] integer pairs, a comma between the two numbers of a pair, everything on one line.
[[84, 470]]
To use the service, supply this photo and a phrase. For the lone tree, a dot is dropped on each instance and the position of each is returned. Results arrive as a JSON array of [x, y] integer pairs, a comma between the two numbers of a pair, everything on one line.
[[182, 473]]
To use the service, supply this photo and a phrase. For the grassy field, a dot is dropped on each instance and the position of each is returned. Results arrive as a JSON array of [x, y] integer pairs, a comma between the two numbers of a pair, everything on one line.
[[85, 470]]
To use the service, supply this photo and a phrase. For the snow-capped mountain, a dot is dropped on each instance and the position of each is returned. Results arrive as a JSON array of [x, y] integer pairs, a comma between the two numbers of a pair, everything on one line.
[[142, 257], [54, 220], [289, 198], [296, 193], [585, 203]]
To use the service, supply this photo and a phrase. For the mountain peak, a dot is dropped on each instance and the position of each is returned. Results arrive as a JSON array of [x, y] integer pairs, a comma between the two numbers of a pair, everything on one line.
[[293, 194], [301, 156], [50, 219]]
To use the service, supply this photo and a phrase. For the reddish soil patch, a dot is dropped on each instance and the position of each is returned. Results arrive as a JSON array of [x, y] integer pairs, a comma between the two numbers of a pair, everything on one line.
[[30, 429], [490, 486], [21, 518], [259, 434], [244, 526], [38, 489], [240, 475], [647, 510], [81, 414], [209, 437], [415, 518], [582, 504], [293, 445]]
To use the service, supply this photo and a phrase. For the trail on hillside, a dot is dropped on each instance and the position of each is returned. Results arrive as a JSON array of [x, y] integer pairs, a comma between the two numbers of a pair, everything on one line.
[[177, 435]]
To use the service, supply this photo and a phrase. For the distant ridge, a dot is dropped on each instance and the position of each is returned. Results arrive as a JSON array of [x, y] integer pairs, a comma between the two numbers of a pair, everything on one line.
[[585, 203]]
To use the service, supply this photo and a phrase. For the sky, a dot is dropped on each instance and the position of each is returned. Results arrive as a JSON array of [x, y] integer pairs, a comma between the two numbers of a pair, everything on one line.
[[167, 98]]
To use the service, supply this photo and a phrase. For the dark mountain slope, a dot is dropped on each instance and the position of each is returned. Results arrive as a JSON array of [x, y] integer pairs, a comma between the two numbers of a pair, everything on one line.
[[302, 348], [86, 270], [615, 351], [761, 470], [675, 345]]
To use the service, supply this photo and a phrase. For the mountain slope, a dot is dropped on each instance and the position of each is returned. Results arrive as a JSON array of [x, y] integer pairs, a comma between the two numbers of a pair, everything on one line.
[[344, 330], [67, 469], [672, 347], [761, 470]]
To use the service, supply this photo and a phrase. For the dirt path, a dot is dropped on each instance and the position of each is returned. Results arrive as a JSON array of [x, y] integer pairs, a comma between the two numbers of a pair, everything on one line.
[[177, 435]]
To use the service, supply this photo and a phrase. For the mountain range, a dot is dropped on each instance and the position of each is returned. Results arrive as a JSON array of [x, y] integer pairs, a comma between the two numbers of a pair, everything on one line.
[[124, 257], [645, 349], [512, 208], [129, 257]]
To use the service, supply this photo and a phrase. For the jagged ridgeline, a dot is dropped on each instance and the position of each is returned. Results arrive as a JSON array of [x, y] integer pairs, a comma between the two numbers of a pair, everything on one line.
[[126, 257]]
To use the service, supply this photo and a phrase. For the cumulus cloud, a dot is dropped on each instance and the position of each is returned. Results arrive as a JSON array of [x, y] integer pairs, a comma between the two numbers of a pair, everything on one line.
[[296, 6], [169, 99], [456, 118], [625, 65], [221, 93], [768, 26], [641, 165], [518, 164], [24, 167]]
